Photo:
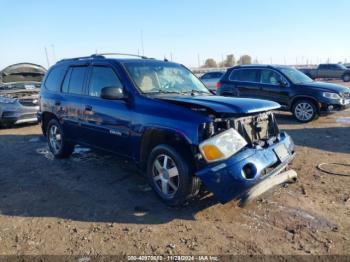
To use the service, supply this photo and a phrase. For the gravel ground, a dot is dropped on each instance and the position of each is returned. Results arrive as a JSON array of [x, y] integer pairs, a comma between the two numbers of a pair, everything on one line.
[[95, 204]]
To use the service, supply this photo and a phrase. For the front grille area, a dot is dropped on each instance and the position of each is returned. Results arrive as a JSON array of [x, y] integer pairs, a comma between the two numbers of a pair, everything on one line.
[[28, 101], [345, 95], [257, 129]]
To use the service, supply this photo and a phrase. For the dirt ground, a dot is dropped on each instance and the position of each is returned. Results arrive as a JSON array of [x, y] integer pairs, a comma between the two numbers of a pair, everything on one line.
[[95, 204]]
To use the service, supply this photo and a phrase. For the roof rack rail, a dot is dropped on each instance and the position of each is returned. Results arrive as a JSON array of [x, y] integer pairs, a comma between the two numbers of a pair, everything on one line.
[[102, 55], [121, 54], [80, 58]]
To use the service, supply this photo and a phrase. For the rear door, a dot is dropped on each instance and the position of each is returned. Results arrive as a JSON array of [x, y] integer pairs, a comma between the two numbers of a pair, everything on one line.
[[71, 101], [271, 87], [106, 122], [246, 82]]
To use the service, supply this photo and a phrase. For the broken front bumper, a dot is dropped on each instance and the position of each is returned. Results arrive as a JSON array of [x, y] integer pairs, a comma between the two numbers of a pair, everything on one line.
[[238, 176]]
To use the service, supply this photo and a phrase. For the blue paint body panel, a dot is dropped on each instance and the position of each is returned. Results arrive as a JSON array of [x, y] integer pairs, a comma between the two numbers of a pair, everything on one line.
[[119, 126]]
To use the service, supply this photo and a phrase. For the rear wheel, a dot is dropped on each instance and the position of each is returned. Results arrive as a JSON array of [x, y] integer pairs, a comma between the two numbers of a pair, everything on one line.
[[58, 145], [346, 78], [304, 110], [170, 175]]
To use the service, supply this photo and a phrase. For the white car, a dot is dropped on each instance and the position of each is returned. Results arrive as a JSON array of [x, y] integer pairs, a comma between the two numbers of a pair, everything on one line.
[[211, 79]]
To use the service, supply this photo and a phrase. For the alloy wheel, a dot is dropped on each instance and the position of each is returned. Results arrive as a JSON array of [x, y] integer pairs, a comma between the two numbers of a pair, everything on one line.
[[304, 111], [165, 175], [55, 139]]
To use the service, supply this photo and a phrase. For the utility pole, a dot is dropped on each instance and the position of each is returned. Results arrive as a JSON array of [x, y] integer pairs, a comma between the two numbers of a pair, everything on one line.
[[47, 58], [53, 52], [199, 61], [142, 47]]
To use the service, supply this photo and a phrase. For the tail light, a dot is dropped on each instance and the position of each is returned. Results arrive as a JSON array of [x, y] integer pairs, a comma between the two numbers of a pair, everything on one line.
[[218, 84]]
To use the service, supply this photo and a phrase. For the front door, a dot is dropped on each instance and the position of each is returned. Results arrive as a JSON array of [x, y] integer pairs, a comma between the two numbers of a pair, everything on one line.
[[106, 122], [272, 88]]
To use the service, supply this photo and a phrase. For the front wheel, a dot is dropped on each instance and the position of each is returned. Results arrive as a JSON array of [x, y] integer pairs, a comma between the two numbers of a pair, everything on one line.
[[304, 111], [171, 176]]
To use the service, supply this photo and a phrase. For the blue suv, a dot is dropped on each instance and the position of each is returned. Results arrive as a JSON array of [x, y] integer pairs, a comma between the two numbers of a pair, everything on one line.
[[159, 115]]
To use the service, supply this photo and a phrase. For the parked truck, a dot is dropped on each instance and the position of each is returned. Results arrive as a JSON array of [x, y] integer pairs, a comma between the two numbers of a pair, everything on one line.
[[338, 71]]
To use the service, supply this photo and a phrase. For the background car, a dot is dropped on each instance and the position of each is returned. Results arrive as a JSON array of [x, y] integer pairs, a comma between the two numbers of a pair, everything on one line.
[[211, 79], [289, 87], [338, 71], [19, 93]]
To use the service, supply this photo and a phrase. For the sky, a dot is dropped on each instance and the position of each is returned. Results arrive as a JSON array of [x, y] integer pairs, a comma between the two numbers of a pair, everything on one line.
[[188, 32]]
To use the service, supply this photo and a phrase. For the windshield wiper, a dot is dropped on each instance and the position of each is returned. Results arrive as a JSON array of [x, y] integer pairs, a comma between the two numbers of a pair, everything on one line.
[[163, 92], [193, 92]]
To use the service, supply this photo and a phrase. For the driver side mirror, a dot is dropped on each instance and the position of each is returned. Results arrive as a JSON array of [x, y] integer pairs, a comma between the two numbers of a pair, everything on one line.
[[112, 93], [283, 82]]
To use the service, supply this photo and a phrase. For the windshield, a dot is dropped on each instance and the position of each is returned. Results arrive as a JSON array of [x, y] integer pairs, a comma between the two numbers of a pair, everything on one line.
[[342, 66], [164, 77], [296, 76]]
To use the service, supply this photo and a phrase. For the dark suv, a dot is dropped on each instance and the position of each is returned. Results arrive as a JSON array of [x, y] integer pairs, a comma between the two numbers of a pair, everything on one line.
[[159, 115], [289, 87]]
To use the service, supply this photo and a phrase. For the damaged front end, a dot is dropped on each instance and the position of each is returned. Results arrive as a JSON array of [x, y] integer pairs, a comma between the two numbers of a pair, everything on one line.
[[246, 169]]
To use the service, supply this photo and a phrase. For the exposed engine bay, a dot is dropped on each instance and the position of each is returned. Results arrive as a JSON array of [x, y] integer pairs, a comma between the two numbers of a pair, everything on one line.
[[258, 129], [20, 94], [28, 98]]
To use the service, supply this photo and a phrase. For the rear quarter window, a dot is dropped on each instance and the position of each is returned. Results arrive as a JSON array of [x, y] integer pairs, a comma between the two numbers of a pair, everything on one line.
[[55, 77], [245, 75]]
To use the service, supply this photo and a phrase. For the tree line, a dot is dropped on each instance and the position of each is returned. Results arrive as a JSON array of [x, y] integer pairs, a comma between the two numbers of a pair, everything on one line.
[[229, 61]]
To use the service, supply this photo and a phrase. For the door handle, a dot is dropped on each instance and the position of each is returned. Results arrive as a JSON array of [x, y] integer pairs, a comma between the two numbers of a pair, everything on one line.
[[57, 103], [88, 108]]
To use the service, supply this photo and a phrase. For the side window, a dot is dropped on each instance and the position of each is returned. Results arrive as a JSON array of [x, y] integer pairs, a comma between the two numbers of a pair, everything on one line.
[[66, 81], [217, 75], [245, 75], [270, 77], [74, 81], [54, 80], [102, 77], [323, 67]]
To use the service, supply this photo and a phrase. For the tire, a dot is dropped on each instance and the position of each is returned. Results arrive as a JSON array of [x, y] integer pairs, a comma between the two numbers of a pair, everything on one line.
[[171, 176], [58, 145], [304, 110], [346, 78]]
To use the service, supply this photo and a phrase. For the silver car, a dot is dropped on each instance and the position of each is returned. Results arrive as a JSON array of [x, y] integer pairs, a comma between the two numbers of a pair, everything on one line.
[[19, 93], [212, 79]]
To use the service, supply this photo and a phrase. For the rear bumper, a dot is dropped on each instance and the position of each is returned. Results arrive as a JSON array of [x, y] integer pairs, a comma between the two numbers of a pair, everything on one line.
[[227, 179]]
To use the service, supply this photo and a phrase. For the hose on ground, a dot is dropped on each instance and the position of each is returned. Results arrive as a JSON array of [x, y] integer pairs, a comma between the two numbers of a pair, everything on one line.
[[322, 165]]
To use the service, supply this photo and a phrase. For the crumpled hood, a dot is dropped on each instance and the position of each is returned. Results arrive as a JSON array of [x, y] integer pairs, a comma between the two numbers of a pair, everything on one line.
[[327, 87], [222, 104]]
